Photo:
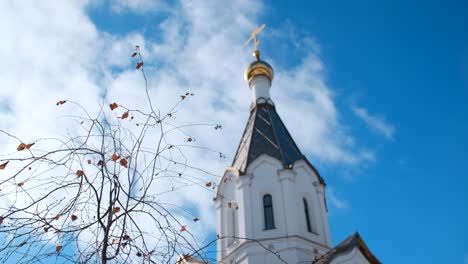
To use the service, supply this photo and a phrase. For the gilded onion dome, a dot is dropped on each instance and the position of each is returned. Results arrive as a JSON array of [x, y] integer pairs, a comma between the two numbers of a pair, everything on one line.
[[257, 68]]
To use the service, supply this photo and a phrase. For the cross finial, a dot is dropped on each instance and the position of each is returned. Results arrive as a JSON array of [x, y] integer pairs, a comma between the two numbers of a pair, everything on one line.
[[253, 37]]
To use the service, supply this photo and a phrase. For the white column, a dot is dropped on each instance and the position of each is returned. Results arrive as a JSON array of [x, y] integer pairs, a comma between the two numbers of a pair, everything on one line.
[[323, 213], [245, 206], [287, 178], [220, 244]]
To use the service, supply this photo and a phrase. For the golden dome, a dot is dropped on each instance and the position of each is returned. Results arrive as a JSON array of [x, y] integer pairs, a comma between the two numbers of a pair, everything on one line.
[[257, 68]]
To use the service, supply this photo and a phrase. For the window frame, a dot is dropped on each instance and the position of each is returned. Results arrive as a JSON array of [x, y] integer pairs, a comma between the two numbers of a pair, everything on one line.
[[268, 212], [307, 215]]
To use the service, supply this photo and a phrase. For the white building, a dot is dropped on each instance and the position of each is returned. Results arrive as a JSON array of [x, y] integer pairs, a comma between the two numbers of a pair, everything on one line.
[[270, 204]]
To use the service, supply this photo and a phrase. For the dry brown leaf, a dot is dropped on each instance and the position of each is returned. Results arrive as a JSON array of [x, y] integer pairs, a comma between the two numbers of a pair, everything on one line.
[[79, 173], [61, 102], [20, 184], [89, 162], [126, 237], [21, 147], [189, 139], [113, 106], [115, 157], [57, 217], [46, 229], [116, 210], [183, 228], [125, 115], [208, 184], [58, 248], [3, 166], [123, 162], [139, 64], [1, 220], [74, 217], [100, 163]]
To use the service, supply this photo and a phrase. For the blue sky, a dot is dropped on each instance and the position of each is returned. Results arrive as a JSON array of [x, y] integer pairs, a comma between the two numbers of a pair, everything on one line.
[[409, 62], [385, 83]]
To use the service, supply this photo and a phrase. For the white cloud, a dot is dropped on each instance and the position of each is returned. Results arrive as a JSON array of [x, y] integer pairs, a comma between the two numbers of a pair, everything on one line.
[[376, 123], [320, 133], [138, 6], [336, 201]]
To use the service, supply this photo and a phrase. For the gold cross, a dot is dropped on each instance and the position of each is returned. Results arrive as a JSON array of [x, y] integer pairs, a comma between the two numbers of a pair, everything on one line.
[[253, 37]]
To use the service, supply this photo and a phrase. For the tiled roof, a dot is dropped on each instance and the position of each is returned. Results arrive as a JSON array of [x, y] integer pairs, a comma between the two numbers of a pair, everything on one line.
[[347, 245], [265, 133]]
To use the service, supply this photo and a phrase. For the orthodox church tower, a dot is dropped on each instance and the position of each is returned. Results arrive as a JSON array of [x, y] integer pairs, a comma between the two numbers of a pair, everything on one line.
[[270, 204], [271, 199]]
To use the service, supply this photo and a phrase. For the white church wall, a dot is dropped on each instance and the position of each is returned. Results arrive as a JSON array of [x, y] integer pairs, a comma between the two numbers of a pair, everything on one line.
[[245, 218], [226, 213], [352, 257], [265, 181], [308, 186], [289, 249]]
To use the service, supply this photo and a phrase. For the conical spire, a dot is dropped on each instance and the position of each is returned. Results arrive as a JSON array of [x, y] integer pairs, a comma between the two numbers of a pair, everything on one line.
[[265, 132]]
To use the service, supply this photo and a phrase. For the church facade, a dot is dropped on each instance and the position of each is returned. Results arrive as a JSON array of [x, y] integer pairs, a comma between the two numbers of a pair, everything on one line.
[[270, 204]]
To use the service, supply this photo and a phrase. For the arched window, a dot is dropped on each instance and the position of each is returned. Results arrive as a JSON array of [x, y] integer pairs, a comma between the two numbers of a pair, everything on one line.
[[268, 212], [306, 211]]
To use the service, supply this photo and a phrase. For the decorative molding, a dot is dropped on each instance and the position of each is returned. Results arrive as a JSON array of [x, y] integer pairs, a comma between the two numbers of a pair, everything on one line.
[[287, 174], [264, 158]]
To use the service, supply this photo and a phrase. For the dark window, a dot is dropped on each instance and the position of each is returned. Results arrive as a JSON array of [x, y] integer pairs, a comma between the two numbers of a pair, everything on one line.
[[306, 210], [268, 212]]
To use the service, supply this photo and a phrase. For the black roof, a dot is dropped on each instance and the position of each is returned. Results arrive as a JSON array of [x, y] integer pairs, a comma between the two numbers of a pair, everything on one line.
[[265, 133], [347, 245]]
